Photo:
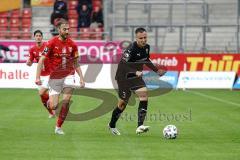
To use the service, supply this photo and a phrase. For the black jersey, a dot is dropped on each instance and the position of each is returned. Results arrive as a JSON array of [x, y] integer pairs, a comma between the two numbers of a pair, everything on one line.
[[132, 60]]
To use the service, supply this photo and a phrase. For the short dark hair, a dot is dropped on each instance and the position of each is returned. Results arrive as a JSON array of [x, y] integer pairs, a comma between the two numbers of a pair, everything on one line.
[[38, 31], [61, 21], [140, 30]]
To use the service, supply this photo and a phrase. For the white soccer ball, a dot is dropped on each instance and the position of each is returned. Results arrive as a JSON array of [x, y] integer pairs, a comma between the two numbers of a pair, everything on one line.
[[170, 132]]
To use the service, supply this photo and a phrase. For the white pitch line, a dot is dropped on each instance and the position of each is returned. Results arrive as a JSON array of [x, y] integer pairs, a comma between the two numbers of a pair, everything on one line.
[[214, 98]]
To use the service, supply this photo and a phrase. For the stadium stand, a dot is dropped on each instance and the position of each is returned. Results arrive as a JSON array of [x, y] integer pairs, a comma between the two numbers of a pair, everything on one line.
[[3, 22], [96, 33], [26, 33], [20, 23], [175, 26], [74, 33], [13, 23], [72, 4], [3, 32], [85, 33], [27, 13]]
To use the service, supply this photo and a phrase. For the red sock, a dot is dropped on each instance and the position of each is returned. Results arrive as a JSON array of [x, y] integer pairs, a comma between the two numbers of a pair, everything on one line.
[[44, 99], [63, 114]]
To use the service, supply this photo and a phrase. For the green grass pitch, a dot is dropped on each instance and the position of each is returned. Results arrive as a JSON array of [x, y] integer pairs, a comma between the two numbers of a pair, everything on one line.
[[208, 123]]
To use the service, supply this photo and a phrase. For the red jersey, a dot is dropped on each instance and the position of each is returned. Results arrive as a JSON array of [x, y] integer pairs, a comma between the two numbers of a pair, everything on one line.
[[35, 53], [61, 55]]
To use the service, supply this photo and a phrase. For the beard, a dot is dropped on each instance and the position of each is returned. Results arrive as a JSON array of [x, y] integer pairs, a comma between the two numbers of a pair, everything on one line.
[[64, 36]]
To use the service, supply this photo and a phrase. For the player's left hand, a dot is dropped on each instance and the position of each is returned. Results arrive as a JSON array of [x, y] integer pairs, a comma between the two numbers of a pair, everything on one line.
[[82, 84], [38, 82], [161, 72]]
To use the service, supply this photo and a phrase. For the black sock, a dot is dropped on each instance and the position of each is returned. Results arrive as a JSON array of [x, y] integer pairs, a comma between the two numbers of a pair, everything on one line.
[[115, 115], [142, 111]]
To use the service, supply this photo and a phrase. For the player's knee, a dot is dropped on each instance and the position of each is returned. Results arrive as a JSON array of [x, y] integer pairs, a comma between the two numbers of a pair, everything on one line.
[[142, 94], [67, 98], [122, 104], [143, 97], [42, 92], [52, 106]]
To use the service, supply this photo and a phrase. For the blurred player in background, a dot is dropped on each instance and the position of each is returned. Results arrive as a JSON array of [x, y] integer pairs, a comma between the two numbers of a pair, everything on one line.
[[34, 54], [129, 78], [62, 53]]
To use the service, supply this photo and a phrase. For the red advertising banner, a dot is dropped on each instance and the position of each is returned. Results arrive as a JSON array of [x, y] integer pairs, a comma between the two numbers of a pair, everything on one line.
[[89, 51], [199, 62], [173, 62], [19, 51]]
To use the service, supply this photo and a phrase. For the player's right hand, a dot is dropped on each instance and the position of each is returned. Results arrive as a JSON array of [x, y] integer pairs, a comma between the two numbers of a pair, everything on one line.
[[161, 72], [38, 82], [139, 74], [82, 84], [29, 63]]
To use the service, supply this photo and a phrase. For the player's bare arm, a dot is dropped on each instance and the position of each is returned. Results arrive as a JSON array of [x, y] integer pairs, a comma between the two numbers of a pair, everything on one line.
[[79, 72], [159, 70], [39, 68]]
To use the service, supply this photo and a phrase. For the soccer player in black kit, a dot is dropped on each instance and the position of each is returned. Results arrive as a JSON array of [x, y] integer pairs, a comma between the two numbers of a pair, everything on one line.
[[129, 79]]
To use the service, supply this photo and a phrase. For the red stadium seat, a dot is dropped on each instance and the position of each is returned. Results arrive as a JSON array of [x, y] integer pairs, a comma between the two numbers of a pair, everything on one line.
[[85, 33], [26, 28], [72, 4], [26, 33], [27, 13], [4, 14], [16, 13], [26, 22], [15, 33], [73, 13], [3, 22], [4, 33], [15, 22], [96, 8], [97, 34], [96, 3], [73, 33], [73, 23]]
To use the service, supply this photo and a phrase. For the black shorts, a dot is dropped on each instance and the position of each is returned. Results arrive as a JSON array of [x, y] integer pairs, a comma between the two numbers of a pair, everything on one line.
[[125, 87]]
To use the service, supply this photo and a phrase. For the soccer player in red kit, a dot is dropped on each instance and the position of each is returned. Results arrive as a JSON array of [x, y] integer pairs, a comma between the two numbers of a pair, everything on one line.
[[34, 54], [62, 53]]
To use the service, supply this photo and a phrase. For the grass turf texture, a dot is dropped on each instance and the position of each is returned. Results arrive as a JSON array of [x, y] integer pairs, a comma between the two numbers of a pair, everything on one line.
[[208, 123]]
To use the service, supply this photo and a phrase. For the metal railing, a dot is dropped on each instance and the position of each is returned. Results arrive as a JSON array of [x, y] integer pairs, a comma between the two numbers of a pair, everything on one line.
[[205, 25], [148, 8], [75, 35], [181, 48]]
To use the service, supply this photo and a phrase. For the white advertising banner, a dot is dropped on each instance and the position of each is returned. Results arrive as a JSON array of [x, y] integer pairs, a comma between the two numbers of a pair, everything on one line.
[[218, 80], [19, 75], [101, 76]]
